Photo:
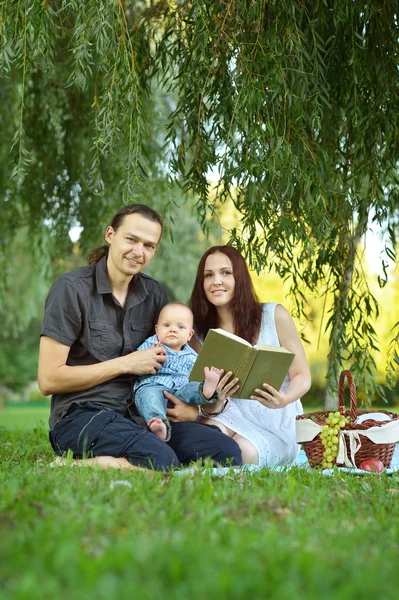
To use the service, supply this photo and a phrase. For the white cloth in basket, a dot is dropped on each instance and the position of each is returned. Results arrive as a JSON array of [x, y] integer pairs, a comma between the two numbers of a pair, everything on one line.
[[307, 430]]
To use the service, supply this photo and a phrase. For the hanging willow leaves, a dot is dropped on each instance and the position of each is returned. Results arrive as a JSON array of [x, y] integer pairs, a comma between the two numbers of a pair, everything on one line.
[[292, 103]]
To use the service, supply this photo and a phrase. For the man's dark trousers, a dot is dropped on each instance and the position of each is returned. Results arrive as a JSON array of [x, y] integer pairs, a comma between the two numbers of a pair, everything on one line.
[[92, 430]]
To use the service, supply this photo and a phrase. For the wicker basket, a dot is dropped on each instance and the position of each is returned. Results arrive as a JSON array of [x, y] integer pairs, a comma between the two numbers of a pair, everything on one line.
[[314, 449]]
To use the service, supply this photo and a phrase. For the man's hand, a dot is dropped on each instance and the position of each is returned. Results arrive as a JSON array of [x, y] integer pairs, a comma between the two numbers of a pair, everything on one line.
[[145, 362], [181, 411]]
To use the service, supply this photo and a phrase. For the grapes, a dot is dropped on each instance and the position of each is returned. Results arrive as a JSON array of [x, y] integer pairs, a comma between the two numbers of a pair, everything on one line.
[[330, 437]]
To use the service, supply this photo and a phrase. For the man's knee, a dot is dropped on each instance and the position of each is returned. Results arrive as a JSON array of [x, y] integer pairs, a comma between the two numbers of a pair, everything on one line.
[[229, 452], [147, 451], [138, 445], [193, 441], [79, 431]]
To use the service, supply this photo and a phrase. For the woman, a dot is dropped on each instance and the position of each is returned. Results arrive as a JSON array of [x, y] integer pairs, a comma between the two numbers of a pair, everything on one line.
[[263, 426]]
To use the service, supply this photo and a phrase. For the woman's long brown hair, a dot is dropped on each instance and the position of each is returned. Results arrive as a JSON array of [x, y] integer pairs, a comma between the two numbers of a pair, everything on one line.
[[245, 306]]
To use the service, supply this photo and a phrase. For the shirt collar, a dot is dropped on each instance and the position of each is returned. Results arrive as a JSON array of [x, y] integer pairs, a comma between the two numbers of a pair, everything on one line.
[[102, 281], [137, 291], [137, 288]]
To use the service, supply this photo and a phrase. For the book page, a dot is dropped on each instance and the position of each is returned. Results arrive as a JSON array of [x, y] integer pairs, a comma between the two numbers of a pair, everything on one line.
[[219, 351], [275, 348], [237, 338]]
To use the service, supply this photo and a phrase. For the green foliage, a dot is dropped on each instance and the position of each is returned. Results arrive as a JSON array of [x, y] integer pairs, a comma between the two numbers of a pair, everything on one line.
[[74, 532], [23, 288], [23, 283], [293, 104], [75, 78], [393, 354], [176, 262], [18, 357]]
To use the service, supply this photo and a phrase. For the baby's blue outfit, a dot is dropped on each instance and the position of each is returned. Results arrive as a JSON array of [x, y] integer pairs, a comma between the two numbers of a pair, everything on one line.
[[172, 377]]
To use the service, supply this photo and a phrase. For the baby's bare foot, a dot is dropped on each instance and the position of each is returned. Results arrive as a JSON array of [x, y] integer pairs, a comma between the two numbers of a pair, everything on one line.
[[211, 381], [158, 428]]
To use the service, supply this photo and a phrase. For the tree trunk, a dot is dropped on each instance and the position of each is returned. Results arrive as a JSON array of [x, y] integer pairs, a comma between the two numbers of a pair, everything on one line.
[[334, 363]]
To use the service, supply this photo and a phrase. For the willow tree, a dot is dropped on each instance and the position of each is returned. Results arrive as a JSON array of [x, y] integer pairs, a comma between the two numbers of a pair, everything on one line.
[[292, 103]]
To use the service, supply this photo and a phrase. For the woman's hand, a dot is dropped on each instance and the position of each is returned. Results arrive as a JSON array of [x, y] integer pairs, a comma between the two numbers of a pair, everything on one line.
[[180, 411], [226, 387], [270, 397]]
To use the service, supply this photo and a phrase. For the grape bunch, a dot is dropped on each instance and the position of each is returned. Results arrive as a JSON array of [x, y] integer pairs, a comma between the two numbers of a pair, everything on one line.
[[330, 437]]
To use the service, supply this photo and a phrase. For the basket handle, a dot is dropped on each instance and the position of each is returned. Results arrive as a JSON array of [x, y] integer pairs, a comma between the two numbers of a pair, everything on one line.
[[352, 394]]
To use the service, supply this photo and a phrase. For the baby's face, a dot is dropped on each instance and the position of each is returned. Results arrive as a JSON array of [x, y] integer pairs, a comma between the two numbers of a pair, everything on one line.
[[175, 326]]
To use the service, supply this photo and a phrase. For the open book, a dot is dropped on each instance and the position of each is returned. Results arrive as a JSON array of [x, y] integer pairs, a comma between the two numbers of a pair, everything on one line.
[[253, 365]]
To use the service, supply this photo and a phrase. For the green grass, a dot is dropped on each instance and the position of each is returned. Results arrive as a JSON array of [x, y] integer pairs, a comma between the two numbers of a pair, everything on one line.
[[24, 417], [83, 533]]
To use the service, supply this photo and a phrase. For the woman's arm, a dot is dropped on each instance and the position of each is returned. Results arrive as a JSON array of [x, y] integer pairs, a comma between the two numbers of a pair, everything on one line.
[[299, 373], [56, 377]]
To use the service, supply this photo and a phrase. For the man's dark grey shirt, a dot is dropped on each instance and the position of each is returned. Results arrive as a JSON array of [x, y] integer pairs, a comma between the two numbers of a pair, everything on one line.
[[81, 313]]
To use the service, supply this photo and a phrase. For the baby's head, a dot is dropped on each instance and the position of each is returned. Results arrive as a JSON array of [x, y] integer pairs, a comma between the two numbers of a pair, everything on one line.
[[175, 325]]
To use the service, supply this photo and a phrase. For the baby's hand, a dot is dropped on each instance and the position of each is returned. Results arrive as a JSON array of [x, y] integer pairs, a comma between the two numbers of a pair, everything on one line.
[[156, 344]]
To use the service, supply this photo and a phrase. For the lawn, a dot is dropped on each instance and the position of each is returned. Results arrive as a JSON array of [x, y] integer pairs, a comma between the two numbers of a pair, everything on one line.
[[83, 533], [25, 416]]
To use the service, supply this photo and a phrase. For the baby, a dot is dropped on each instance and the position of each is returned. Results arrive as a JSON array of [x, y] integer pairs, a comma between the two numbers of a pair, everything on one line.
[[173, 330]]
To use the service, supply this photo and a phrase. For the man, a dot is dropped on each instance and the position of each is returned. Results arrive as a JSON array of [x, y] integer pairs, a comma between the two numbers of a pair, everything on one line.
[[95, 319]]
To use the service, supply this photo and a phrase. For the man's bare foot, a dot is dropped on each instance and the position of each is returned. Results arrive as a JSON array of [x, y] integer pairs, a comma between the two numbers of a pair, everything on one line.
[[158, 428], [102, 462], [211, 381]]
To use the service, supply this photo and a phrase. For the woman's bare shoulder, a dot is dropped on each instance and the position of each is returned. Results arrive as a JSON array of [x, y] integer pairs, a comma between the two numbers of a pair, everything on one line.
[[282, 314], [284, 321]]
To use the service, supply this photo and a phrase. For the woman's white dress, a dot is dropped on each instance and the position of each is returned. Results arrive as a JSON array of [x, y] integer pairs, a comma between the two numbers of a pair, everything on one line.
[[271, 430]]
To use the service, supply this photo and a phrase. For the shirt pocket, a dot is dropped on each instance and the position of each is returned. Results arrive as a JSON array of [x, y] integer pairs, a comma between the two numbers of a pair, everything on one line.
[[103, 343], [138, 332]]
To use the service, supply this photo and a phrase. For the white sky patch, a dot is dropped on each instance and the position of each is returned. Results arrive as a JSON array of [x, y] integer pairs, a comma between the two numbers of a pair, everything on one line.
[[75, 232], [375, 243]]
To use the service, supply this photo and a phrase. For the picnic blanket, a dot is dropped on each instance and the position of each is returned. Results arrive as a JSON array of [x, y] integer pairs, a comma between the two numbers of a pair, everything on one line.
[[301, 462]]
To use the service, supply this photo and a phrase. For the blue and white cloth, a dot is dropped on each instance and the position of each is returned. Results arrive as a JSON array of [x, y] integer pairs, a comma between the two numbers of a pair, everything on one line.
[[174, 373]]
